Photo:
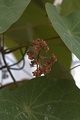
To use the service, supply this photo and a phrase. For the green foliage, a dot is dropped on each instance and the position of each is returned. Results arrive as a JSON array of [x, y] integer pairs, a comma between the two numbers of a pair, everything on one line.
[[54, 96], [67, 28], [43, 98], [10, 12]]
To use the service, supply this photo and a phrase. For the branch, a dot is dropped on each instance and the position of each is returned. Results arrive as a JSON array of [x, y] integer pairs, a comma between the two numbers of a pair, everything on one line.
[[8, 69]]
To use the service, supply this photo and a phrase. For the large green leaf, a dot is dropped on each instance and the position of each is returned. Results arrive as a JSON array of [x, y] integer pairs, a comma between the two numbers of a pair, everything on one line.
[[68, 6], [42, 98], [26, 28], [67, 27], [10, 12]]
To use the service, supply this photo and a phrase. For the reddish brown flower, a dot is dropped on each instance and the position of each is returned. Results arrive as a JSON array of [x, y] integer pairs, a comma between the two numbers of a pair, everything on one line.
[[30, 55], [36, 45], [34, 62], [45, 66], [47, 63], [46, 48], [53, 57], [37, 72], [43, 43], [46, 70]]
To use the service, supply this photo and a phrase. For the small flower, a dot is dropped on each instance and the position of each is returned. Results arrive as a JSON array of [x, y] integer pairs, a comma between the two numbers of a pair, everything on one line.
[[46, 70], [37, 48], [34, 62], [37, 72], [30, 55], [45, 66], [43, 43], [53, 57], [45, 63], [46, 48], [36, 44]]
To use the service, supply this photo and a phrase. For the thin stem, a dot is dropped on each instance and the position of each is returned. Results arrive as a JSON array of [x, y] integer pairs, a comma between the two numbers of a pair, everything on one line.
[[9, 50], [29, 26], [22, 59], [56, 37], [6, 51], [8, 69], [74, 67], [67, 72], [23, 54]]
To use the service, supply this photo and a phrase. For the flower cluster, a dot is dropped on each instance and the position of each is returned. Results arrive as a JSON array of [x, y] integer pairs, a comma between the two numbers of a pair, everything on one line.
[[43, 63], [40, 44]]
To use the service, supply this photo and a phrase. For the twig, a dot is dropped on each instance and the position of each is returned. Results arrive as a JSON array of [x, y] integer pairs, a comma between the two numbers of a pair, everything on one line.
[[8, 68], [29, 26], [56, 37], [74, 67], [6, 51]]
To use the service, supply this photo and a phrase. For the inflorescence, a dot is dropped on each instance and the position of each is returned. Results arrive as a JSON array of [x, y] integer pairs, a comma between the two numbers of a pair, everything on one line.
[[43, 63]]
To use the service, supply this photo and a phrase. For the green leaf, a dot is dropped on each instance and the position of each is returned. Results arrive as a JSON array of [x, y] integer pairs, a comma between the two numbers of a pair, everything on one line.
[[57, 46], [10, 12], [69, 6], [26, 28], [42, 98], [58, 71], [67, 27]]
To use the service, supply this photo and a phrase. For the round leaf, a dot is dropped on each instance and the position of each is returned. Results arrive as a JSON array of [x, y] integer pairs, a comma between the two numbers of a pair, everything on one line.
[[10, 12], [67, 27], [41, 99]]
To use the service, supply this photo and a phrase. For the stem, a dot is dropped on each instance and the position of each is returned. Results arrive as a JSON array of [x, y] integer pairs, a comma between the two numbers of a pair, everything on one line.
[[23, 54], [52, 38], [25, 45], [66, 73], [15, 48], [74, 67], [29, 26], [8, 69]]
